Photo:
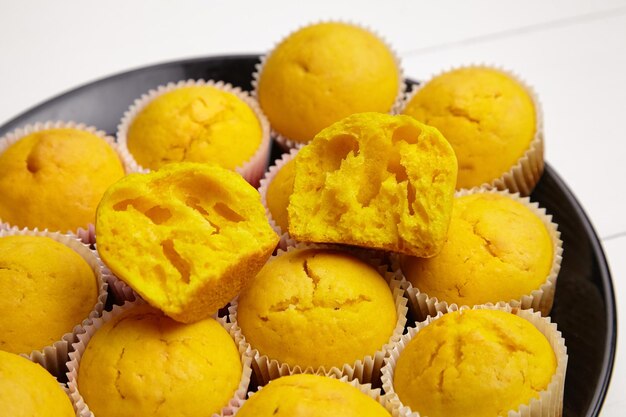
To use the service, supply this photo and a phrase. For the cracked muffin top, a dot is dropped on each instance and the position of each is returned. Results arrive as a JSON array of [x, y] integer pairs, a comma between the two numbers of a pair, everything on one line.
[[497, 250], [54, 178], [27, 389], [46, 289], [488, 117], [186, 237], [307, 395], [474, 363], [317, 308], [323, 73], [201, 123], [142, 363]]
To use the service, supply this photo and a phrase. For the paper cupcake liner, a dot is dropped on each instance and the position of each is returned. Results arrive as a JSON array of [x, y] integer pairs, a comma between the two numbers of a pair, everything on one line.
[[252, 170], [367, 389], [526, 172], [86, 233], [269, 176], [366, 370], [82, 409], [54, 357], [287, 143], [421, 305], [550, 401]]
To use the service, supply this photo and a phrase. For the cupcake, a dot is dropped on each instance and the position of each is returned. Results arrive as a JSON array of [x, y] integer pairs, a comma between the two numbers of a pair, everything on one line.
[[376, 181], [62, 169], [322, 73], [500, 247], [313, 395], [27, 390], [481, 362], [198, 121], [319, 297], [138, 362], [493, 122], [186, 238], [50, 286]]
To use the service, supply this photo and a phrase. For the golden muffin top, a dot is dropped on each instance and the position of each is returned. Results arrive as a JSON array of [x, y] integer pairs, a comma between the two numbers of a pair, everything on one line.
[[278, 192], [323, 73]]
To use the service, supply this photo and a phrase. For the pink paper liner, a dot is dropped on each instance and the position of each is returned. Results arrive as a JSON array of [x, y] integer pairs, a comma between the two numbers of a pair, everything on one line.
[[82, 409], [550, 401], [541, 299], [252, 170], [86, 233], [366, 370], [54, 357], [287, 143], [524, 175]]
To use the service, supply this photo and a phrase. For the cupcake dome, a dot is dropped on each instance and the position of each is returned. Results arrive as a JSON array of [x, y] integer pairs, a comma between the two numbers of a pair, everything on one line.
[[310, 395], [474, 363], [143, 363], [62, 173], [278, 192], [27, 390], [323, 73], [46, 289], [497, 250], [488, 117], [317, 308]]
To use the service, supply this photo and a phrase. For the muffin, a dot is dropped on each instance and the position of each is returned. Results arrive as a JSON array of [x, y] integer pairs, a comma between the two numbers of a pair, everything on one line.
[[27, 390], [198, 121], [138, 362], [481, 362], [312, 395], [377, 181], [324, 298], [492, 121], [276, 188], [500, 247], [187, 237], [63, 169], [38, 272], [322, 73]]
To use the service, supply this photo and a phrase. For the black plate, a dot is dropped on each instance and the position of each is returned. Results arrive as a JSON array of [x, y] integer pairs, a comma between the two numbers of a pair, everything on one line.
[[584, 307]]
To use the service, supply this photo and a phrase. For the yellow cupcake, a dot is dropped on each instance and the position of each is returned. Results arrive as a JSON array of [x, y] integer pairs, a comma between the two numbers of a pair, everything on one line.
[[317, 308], [375, 180], [62, 174], [187, 237], [27, 390], [323, 73], [488, 118], [197, 123], [497, 250], [46, 289], [278, 192], [476, 363], [310, 396], [142, 363]]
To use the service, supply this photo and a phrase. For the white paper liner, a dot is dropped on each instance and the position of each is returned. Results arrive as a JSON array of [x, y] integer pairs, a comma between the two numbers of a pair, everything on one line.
[[270, 174], [366, 370], [367, 389], [550, 401], [86, 233], [252, 169], [287, 143], [54, 357], [82, 409], [421, 305], [524, 175]]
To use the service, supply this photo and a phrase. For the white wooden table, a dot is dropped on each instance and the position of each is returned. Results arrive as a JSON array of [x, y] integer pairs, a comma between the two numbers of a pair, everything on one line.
[[572, 52]]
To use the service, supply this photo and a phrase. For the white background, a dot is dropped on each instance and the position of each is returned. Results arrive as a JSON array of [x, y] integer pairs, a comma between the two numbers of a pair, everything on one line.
[[572, 52]]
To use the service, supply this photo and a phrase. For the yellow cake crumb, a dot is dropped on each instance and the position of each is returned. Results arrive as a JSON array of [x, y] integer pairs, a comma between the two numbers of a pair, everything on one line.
[[377, 181], [278, 193], [187, 237]]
